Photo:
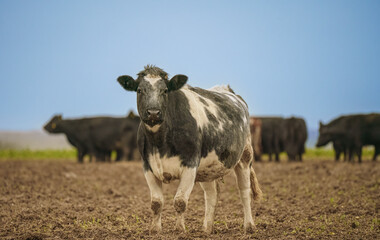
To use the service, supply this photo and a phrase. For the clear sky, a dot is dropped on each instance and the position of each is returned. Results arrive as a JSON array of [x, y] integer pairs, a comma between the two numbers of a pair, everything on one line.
[[315, 59]]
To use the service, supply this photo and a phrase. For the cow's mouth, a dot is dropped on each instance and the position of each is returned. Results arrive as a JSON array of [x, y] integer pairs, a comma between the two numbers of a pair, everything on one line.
[[152, 122]]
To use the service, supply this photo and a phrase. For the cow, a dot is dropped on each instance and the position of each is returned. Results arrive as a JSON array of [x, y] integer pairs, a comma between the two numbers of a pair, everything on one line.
[[98, 136], [77, 135], [116, 134], [352, 132], [255, 126], [272, 136], [192, 135], [294, 137]]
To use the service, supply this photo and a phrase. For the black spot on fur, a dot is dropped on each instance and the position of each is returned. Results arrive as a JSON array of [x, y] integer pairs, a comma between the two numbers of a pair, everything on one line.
[[224, 155]]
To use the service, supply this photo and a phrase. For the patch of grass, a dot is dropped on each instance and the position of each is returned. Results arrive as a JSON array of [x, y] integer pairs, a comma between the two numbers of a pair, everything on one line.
[[319, 153], [375, 223], [137, 218], [27, 154], [85, 224], [222, 223], [330, 153]]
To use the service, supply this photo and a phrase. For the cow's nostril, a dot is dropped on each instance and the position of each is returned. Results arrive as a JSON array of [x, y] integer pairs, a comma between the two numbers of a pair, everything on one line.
[[153, 112]]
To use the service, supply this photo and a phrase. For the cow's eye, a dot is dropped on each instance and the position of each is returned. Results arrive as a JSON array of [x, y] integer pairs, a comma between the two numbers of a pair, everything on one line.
[[165, 91], [138, 90]]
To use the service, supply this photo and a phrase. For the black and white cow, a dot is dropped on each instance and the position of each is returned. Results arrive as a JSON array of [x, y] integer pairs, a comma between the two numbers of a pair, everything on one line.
[[193, 135]]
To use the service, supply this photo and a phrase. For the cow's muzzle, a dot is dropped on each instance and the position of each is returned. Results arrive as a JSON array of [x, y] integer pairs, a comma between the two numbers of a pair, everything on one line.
[[154, 117]]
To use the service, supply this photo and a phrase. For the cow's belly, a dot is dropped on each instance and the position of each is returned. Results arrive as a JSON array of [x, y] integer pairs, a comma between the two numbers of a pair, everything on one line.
[[169, 169], [210, 168]]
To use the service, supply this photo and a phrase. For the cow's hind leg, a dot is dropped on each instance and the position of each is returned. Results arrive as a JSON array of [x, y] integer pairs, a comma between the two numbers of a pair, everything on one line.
[[245, 176], [157, 200], [182, 195], [211, 197]]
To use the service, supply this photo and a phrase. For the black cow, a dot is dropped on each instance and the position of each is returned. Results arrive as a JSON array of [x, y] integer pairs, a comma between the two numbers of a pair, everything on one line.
[[294, 137], [272, 136], [98, 136], [193, 135], [352, 133]]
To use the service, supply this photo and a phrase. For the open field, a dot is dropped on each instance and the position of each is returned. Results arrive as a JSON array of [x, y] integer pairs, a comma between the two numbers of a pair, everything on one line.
[[316, 199], [70, 154]]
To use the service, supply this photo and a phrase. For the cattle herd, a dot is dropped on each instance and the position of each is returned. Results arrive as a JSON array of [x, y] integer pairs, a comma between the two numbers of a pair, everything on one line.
[[97, 137], [199, 135]]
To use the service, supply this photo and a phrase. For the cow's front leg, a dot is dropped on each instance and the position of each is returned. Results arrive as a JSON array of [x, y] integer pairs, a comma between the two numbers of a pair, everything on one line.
[[181, 198], [157, 200]]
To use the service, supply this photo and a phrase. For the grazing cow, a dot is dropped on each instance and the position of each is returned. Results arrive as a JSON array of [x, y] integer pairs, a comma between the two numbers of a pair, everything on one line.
[[98, 136], [193, 135], [294, 137], [352, 133]]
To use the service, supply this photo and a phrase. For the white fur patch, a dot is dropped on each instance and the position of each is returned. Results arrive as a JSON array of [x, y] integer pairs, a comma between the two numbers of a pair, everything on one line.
[[225, 91], [164, 166], [152, 79], [154, 129], [198, 109]]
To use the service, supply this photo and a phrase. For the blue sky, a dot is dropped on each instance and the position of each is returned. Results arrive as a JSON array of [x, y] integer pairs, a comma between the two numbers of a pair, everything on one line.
[[315, 59]]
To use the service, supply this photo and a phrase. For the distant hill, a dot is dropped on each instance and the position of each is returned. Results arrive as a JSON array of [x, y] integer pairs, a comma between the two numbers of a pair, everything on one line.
[[34, 140]]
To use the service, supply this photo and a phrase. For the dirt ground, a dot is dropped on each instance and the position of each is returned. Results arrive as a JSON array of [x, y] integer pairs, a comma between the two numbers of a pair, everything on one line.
[[316, 199]]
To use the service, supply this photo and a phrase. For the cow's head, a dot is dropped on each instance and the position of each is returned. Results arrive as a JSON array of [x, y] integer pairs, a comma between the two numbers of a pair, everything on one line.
[[152, 87], [324, 135], [51, 126]]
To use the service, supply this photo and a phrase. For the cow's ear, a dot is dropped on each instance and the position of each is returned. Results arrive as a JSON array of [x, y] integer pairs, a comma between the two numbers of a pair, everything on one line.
[[320, 124], [131, 114], [60, 117], [128, 83], [177, 82]]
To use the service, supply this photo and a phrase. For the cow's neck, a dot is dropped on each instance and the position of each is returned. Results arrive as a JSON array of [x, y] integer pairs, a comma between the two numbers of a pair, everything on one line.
[[156, 134], [64, 127]]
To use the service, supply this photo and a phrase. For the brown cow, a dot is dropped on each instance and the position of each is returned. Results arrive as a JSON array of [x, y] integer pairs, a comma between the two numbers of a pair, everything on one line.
[[255, 126]]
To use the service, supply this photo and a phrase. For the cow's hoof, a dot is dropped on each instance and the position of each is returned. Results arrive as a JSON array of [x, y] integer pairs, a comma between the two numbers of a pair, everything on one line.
[[155, 229], [180, 225], [249, 228], [208, 229]]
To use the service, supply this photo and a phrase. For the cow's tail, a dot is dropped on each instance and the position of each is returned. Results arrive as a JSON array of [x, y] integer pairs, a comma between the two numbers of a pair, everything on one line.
[[256, 191]]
